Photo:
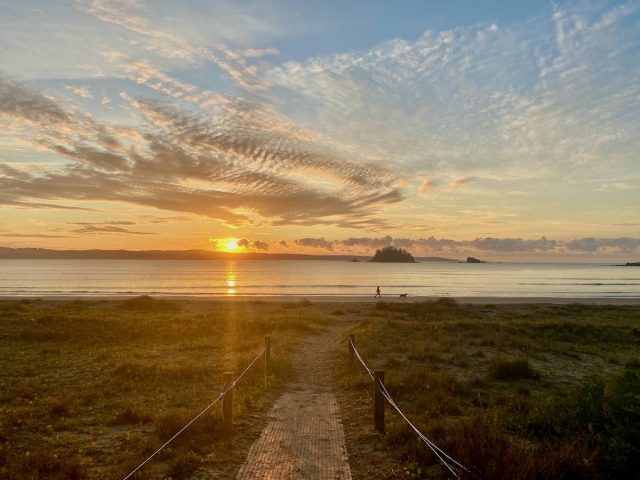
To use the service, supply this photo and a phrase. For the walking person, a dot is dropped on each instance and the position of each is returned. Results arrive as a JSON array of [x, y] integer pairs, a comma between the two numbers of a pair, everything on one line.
[[378, 294]]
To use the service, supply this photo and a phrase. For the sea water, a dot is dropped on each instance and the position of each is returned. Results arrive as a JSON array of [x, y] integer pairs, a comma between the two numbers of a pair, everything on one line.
[[313, 278]]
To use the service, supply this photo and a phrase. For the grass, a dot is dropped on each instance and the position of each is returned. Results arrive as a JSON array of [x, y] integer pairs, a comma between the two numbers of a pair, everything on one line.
[[90, 388], [132, 416], [512, 370], [513, 391]]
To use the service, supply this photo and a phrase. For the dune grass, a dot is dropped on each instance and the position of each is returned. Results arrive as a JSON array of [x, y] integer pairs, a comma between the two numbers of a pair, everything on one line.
[[90, 388], [513, 391]]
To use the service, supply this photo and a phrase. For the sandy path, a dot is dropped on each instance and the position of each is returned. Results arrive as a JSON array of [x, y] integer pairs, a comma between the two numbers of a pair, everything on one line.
[[304, 437]]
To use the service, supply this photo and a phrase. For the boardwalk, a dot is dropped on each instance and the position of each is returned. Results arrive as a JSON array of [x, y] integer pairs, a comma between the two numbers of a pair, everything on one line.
[[304, 438]]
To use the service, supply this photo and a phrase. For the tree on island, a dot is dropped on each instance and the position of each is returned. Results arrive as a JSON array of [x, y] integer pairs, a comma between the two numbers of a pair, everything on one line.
[[393, 254]]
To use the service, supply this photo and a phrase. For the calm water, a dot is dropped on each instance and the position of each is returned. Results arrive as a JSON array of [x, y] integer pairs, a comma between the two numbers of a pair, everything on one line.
[[305, 277]]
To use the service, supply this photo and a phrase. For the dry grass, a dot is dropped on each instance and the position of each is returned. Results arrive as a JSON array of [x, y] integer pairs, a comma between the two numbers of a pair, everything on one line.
[[89, 388]]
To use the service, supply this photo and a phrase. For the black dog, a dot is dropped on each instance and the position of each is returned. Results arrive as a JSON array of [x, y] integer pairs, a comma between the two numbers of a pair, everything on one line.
[[403, 295]]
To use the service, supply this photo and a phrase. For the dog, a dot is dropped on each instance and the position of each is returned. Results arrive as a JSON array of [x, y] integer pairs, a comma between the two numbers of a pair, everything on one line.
[[403, 295]]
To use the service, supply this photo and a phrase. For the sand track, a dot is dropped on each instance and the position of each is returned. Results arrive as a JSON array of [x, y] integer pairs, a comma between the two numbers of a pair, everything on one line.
[[304, 437]]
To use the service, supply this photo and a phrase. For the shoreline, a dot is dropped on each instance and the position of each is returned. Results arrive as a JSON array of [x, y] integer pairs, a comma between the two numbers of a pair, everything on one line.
[[345, 299]]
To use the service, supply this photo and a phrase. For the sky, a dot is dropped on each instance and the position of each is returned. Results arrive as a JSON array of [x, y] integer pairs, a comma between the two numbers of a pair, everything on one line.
[[499, 129]]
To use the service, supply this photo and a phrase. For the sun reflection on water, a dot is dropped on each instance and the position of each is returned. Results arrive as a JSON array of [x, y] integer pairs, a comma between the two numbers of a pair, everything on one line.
[[231, 278]]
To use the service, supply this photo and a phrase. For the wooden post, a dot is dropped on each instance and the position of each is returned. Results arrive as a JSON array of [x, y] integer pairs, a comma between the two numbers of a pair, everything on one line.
[[267, 358], [352, 353], [227, 401], [378, 405]]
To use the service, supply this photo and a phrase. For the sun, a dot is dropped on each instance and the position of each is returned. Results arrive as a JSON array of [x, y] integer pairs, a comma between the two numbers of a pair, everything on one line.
[[231, 245]]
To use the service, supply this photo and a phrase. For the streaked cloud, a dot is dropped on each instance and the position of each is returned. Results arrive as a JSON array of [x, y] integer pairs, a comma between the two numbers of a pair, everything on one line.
[[624, 244], [231, 169], [320, 243], [432, 245], [129, 16], [556, 97], [32, 235], [108, 227]]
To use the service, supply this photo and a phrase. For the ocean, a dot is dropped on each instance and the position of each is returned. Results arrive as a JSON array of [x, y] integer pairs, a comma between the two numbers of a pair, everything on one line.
[[311, 278]]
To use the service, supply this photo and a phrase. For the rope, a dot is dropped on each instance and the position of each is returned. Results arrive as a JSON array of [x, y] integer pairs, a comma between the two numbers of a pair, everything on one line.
[[364, 365], [437, 451], [205, 410], [432, 446]]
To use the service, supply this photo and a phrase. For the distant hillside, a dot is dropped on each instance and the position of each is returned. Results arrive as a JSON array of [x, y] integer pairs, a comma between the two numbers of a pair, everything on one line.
[[43, 253]]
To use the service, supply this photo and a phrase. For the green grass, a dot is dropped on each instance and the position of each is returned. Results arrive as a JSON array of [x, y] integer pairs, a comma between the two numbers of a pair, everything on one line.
[[513, 391], [512, 370], [90, 388]]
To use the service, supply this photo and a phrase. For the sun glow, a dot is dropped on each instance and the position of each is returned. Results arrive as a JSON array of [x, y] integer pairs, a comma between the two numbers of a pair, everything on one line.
[[231, 245]]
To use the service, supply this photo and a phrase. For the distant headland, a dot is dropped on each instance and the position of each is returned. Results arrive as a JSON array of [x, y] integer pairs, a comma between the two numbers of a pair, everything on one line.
[[98, 254]]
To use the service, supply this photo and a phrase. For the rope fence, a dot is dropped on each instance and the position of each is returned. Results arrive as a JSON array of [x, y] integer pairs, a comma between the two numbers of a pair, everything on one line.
[[226, 391], [381, 394], [377, 377]]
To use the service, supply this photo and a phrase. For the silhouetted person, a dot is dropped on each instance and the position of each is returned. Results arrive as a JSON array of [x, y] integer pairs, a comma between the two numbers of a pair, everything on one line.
[[378, 294]]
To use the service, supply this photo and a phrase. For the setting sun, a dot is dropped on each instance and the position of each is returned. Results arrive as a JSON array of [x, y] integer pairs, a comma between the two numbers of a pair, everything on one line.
[[231, 246]]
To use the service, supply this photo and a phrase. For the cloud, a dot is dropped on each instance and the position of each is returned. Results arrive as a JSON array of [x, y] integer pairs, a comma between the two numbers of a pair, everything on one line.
[[426, 183], [367, 242], [253, 244], [40, 205], [554, 97], [431, 245], [32, 235], [170, 219], [109, 222], [20, 103], [319, 243], [589, 244], [258, 52], [336, 140], [108, 227], [161, 41], [246, 244], [230, 168], [80, 90], [513, 244], [458, 182]]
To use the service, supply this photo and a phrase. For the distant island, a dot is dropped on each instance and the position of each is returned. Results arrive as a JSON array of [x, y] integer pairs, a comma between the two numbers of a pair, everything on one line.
[[392, 254], [632, 264], [474, 260]]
